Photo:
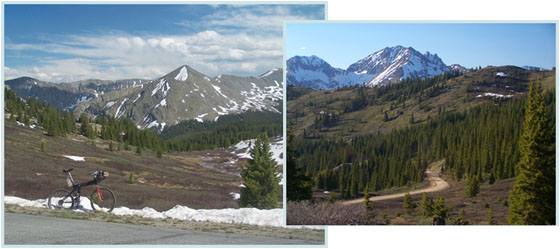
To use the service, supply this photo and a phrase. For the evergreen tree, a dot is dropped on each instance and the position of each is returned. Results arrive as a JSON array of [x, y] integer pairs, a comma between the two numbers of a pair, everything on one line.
[[473, 187], [491, 217], [367, 206], [298, 183], [130, 178], [439, 209], [532, 199], [139, 150], [425, 205], [43, 147], [159, 153], [461, 220], [259, 177], [408, 203], [332, 198], [491, 179]]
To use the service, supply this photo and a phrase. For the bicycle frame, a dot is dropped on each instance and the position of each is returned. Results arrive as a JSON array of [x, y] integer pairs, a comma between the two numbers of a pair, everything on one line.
[[77, 188]]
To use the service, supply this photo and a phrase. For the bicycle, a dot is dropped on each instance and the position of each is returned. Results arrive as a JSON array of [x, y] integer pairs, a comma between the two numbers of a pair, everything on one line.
[[101, 198]]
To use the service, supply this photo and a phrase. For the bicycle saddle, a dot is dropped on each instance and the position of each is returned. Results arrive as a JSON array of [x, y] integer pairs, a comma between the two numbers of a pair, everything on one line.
[[67, 170]]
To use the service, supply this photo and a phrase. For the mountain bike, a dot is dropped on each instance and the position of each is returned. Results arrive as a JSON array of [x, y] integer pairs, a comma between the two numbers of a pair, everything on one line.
[[100, 199]]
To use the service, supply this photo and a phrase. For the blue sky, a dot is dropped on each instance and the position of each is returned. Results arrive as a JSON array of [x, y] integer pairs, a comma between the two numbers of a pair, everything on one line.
[[73, 42], [470, 45]]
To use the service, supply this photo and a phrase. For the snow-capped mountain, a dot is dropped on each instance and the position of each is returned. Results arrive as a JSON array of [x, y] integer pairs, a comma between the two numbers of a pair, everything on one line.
[[186, 94], [383, 67]]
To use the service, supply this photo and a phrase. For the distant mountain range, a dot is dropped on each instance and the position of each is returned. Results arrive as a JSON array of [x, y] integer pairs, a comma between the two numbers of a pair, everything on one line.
[[383, 67], [183, 94]]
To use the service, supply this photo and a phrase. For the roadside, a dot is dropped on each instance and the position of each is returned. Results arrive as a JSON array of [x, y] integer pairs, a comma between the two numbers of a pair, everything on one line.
[[315, 236], [24, 229]]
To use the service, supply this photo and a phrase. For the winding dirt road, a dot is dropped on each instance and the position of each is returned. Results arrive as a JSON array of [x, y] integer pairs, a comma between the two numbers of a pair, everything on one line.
[[433, 177]]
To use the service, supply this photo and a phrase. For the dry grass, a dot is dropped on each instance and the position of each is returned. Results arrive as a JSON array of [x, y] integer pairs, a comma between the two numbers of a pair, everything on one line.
[[322, 213], [175, 179]]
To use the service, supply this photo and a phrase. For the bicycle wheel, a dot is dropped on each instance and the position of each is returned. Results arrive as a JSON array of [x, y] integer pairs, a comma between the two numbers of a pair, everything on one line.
[[104, 199], [60, 199]]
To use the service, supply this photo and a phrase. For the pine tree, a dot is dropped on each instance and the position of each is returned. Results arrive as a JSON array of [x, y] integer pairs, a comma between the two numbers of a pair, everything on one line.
[[439, 209], [473, 187], [532, 199], [130, 178], [43, 147], [332, 198], [159, 153], [367, 206], [259, 177], [491, 179], [425, 205], [491, 217], [139, 150], [298, 183], [408, 203]]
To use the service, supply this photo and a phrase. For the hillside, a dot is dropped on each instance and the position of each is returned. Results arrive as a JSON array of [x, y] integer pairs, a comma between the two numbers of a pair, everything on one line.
[[203, 179], [383, 139], [186, 94], [360, 111], [67, 96]]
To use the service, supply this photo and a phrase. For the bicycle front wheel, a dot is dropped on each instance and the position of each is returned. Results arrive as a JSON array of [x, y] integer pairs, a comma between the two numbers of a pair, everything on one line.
[[102, 199], [60, 199]]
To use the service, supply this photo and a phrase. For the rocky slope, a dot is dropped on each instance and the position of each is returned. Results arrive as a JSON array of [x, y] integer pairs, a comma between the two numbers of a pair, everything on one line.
[[383, 67]]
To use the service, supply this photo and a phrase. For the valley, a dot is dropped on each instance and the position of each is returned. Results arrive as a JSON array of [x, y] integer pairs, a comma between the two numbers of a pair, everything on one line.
[[382, 138], [199, 179]]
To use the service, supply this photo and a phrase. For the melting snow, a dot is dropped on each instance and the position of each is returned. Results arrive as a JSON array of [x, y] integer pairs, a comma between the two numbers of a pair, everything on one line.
[[501, 74], [494, 95], [182, 75], [111, 103], [119, 109], [269, 72], [250, 216], [136, 98], [243, 149], [163, 102], [163, 85], [236, 196], [76, 158], [199, 117]]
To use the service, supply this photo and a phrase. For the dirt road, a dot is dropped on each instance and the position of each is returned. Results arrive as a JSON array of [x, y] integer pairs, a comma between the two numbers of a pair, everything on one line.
[[433, 177]]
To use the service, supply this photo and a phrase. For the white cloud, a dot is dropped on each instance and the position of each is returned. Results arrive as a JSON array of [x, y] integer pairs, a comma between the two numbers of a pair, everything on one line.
[[127, 56], [235, 39]]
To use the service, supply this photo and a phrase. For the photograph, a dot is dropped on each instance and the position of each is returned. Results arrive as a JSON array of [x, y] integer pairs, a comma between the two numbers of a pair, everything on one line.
[[421, 123], [146, 124]]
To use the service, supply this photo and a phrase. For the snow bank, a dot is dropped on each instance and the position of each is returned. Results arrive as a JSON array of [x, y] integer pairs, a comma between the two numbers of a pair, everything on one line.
[[249, 216], [75, 158]]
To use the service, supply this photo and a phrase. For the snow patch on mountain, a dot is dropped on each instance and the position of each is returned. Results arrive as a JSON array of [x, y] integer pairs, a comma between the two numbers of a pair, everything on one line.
[[183, 74], [119, 109], [199, 117]]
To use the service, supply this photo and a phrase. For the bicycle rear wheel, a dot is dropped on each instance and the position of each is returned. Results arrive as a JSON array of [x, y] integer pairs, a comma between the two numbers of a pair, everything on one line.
[[60, 199], [104, 199]]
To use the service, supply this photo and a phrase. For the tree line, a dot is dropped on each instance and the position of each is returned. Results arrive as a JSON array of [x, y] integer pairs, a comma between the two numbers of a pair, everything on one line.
[[186, 136], [482, 142]]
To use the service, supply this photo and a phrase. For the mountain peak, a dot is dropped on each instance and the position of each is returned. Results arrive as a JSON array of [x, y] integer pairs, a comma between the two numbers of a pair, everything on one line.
[[383, 67]]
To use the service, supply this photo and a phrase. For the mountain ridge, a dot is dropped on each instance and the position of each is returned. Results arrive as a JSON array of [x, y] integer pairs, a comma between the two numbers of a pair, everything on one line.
[[182, 94], [383, 67]]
